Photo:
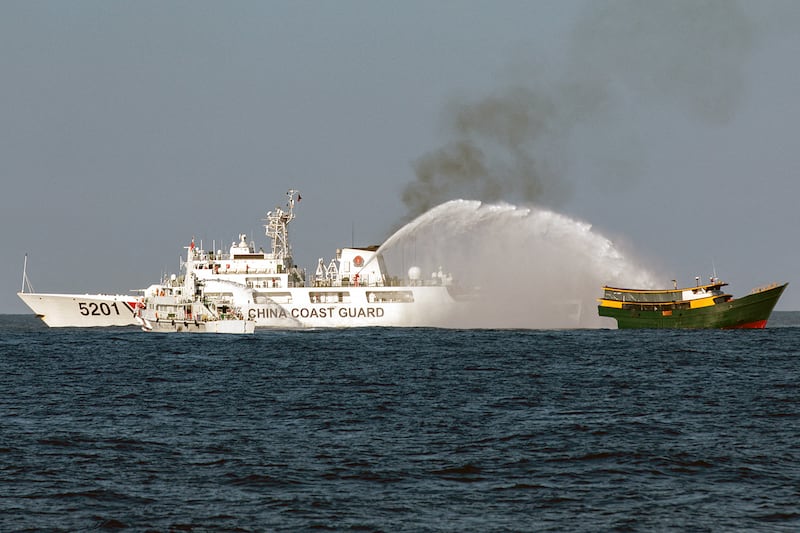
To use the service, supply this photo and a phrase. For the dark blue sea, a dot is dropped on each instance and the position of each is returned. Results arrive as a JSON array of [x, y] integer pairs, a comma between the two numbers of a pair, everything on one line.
[[400, 430]]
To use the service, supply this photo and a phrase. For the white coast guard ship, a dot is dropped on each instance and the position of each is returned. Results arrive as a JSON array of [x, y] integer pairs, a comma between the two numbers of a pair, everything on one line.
[[79, 310], [352, 290]]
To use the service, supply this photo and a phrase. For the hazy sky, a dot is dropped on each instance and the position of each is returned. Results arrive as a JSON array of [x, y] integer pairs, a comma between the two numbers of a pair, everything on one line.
[[126, 128]]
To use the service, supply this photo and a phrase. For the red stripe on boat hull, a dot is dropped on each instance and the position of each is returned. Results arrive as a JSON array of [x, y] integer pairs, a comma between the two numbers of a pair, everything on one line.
[[758, 324]]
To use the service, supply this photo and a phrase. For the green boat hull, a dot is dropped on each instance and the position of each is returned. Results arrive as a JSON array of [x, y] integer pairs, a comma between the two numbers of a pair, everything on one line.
[[751, 311]]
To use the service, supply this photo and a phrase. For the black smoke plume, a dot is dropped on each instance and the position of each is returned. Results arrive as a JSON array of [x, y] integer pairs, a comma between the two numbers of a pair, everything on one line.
[[624, 56]]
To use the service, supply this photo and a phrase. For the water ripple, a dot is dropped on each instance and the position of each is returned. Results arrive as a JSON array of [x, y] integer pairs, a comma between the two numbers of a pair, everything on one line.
[[399, 430]]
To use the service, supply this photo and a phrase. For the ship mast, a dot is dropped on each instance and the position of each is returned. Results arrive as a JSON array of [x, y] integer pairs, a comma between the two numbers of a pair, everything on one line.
[[25, 281], [277, 227]]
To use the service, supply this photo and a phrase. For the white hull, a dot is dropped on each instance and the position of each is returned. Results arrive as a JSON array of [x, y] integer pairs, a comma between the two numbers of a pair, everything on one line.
[[213, 326], [82, 310], [361, 307], [428, 306]]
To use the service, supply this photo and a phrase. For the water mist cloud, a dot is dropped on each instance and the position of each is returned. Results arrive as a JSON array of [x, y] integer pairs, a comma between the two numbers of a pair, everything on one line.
[[528, 267]]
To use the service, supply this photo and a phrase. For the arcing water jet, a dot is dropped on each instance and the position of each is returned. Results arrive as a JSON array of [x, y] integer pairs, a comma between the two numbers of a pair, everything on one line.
[[525, 267]]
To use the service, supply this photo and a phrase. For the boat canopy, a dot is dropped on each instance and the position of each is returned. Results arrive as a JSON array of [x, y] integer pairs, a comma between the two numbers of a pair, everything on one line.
[[662, 296], [621, 295]]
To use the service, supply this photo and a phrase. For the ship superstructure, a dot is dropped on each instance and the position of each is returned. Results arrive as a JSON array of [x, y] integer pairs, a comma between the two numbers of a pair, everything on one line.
[[352, 289]]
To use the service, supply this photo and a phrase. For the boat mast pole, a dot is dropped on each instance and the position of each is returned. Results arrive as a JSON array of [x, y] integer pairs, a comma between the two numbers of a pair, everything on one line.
[[25, 281], [24, 272]]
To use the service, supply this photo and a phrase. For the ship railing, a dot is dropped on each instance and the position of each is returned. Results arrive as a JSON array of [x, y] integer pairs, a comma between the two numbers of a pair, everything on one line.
[[764, 288], [389, 282]]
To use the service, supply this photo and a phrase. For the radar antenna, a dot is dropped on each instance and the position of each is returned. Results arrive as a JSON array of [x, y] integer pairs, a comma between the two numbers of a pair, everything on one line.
[[277, 227]]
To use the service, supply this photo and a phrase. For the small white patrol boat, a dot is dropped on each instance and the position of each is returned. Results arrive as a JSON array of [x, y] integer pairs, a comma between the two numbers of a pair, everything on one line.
[[175, 307]]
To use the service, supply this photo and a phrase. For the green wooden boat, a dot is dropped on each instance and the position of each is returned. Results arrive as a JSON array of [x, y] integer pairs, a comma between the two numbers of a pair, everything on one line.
[[703, 306]]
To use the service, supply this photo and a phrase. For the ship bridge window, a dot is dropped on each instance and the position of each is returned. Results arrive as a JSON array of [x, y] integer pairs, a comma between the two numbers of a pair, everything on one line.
[[643, 297], [650, 306], [218, 294], [263, 282], [329, 297], [274, 297], [390, 296]]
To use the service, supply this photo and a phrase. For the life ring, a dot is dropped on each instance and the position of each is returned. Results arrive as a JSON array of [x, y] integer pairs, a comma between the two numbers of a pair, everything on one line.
[[358, 261]]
